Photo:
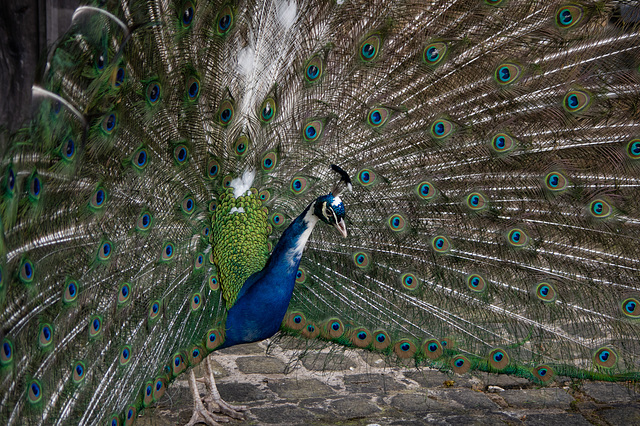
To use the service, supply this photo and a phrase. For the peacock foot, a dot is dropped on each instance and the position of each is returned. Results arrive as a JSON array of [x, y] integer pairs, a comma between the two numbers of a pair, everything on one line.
[[214, 400], [200, 413]]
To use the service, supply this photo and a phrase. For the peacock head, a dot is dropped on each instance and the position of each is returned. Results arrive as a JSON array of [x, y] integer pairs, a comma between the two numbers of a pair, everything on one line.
[[329, 208]]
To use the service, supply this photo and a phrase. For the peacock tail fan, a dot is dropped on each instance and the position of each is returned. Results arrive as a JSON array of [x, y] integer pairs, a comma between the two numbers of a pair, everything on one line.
[[494, 225]]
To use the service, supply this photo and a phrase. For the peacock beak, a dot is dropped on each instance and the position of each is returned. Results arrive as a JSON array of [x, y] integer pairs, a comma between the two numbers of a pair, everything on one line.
[[340, 226]]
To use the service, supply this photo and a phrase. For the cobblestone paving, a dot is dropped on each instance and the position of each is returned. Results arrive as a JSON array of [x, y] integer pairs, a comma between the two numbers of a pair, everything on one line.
[[356, 388]]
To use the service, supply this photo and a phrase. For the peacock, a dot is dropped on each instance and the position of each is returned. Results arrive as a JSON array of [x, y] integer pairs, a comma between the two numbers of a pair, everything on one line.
[[477, 163]]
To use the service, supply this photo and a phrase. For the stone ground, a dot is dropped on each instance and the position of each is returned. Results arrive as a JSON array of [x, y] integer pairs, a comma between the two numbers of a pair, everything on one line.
[[356, 388]]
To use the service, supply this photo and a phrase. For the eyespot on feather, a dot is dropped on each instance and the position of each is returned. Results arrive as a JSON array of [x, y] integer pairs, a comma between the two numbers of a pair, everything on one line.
[[396, 223], [144, 222], [460, 364], [361, 259], [196, 301], [370, 48], [476, 201], [333, 328], [187, 14], [35, 187], [159, 387], [476, 283], [95, 326], [298, 185], [310, 331], [569, 15], [213, 339], [546, 292], [498, 359], [214, 285], [576, 101], [34, 393], [295, 320], [109, 123], [409, 281], [153, 92], [268, 110], [181, 154], [193, 89], [312, 131], [241, 146], [71, 290], [130, 415], [98, 199], [196, 355], [543, 373], [301, 276], [269, 161], [631, 307], [440, 244], [434, 53], [361, 337], [404, 348], [45, 336], [27, 271], [440, 129], [517, 237], [6, 352], [168, 252], [507, 73], [426, 190], [366, 177], [313, 69], [378, 117], [225, 113], [79, 371], [555, 181], [600, 209], [381, 340], [502, 143], [605, 357], [224, 21], [633, 149], [432, 349], [124, 294], [155, 308], [125, 355]]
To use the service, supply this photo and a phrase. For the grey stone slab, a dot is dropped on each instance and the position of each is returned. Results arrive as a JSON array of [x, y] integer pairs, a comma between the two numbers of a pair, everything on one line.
[[503, 380], [372, 383], [610, 392], [319, 361], [428, 378], [300, 389], [241, 392], [622, 415], [218, 371], [471, 419], [419, 403], [283, 414], [469, 399], [260, 365], [560, 419], [538, 398], [245, 349], [354, 407]]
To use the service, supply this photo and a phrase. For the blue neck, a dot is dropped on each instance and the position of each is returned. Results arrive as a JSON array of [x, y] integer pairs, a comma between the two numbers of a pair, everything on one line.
[[265, 296]]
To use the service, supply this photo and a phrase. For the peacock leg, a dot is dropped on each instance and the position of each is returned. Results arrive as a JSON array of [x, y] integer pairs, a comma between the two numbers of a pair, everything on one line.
[[214, 397], [200, 413]]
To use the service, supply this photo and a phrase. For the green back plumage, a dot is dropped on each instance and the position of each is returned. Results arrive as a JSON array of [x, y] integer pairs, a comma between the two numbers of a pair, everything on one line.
[[494, 224]]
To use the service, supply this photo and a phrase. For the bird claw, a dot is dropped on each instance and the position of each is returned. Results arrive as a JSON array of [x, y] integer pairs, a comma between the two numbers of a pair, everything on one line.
[[221, 406], [201, 415]]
